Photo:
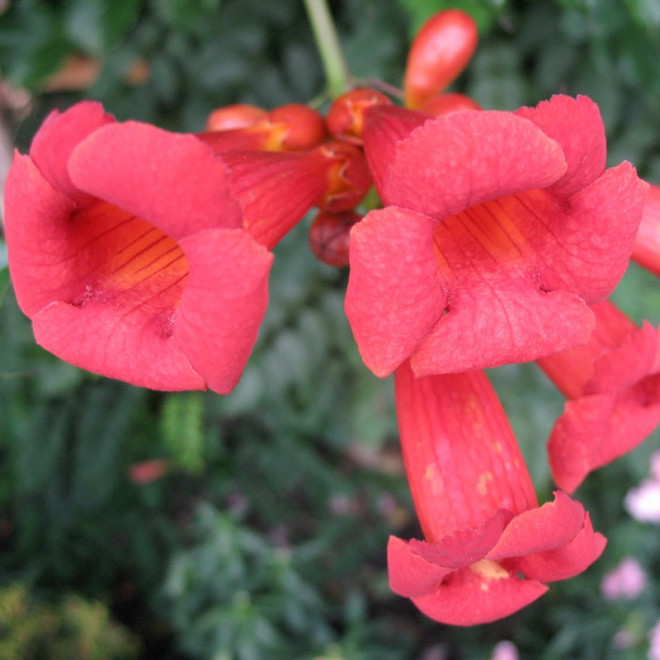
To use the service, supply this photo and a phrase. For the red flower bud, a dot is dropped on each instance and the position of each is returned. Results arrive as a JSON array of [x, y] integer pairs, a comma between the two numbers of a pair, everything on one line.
[[440, 51], [288, 128], [348, 177], [238, 115], [329, 235], [346, 114], [446, 104]]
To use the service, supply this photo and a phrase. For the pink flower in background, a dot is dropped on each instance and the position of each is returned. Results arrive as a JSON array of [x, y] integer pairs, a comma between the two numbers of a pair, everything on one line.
[[643, 501], [654, 641], [625, 582], [505, 650]]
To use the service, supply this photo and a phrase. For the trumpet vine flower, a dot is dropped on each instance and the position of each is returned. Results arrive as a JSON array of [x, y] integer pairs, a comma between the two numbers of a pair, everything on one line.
[[489, 547], [138, 254], [613, 388], [497, 232]]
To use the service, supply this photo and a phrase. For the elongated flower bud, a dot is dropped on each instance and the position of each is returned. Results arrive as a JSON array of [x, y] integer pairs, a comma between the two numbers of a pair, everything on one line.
[[440, 51]]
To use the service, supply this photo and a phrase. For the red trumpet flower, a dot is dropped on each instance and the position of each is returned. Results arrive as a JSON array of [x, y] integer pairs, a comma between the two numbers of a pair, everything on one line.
[[498, 230], [489, 547], [137, 253], [613, 387]]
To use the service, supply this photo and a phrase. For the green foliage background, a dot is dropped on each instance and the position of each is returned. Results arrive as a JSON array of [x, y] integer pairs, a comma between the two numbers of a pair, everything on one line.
[[266, 539]]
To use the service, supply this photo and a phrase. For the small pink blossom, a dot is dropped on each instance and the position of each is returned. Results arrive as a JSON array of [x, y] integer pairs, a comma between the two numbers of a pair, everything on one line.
[[625, 582], [505, 650], [654, 640], [643, 502]]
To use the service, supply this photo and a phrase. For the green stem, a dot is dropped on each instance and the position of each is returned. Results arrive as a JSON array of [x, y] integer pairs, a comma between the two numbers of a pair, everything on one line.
[[327, 42]]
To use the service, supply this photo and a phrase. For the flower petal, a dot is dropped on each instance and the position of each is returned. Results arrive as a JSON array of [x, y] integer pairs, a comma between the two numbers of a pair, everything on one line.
[[455, 162], [394, 294], [385, 126], [594, 235], [577, 126], [223, 303], [551, 526], [132, 346], [57, 138], [479, 594], [508, 321], [596, 429], [36, 215], [172, 181], [464, 546], [567, 561], [409, 573]]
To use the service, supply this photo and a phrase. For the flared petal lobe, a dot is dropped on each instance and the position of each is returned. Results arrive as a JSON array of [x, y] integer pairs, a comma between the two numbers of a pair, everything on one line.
[[529, 230], [489, 547], [131, 259], [613, 387]]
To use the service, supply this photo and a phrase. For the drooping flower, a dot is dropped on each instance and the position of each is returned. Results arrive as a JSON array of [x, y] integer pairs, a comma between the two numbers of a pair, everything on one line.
[[613, 387], [130, 252], [498, 230], [490, 548], [647, 244]]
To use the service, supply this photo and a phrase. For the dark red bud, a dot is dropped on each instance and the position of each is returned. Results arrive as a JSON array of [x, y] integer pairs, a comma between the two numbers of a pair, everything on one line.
[[346, 114], [329, 236]]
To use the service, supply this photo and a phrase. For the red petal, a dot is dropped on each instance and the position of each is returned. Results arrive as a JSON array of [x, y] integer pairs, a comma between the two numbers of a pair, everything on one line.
[[594, 430], [594, 235], [508, 321], [36, 216], [628, 363], [551, 526], [464, 546], [461, 160], [172, 181], [567, 561], [385, 126], [577, 126], [58, 137], [409, 573], [223, 303], [120, 343], [479, 594], [394, 294]]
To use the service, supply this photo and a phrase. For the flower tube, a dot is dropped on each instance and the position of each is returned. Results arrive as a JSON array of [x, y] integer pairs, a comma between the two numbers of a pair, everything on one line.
[[489, 548], [497, 232]]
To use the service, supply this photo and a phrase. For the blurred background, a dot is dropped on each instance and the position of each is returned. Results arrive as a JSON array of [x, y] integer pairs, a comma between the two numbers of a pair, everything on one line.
[[136, 524]]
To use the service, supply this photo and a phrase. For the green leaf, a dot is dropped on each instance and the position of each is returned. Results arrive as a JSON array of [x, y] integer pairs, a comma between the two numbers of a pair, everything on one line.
[[182, 429]]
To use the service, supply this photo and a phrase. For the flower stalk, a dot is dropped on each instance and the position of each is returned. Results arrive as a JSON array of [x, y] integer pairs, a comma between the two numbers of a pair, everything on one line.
[[327, 43]]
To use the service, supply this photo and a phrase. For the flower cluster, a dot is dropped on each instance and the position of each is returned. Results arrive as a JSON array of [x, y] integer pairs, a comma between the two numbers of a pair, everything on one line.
[[497, 237]]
